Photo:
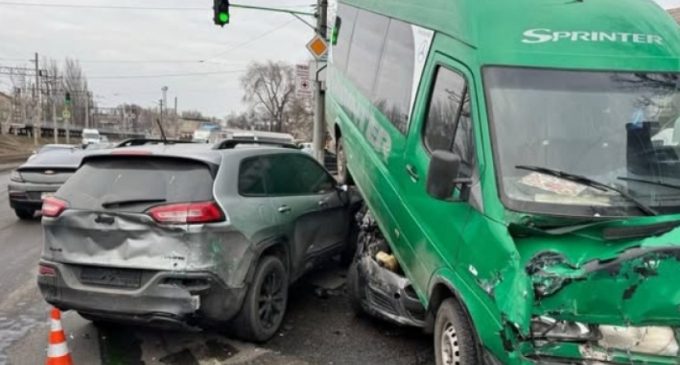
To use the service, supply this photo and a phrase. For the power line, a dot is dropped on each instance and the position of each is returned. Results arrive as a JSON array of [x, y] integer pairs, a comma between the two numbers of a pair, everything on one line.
[[124, 77], [251, 40], [114, 7]]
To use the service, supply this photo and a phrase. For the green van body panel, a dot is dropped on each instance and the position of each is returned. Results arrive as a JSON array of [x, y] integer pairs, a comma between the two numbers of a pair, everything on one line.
[[505, 278]]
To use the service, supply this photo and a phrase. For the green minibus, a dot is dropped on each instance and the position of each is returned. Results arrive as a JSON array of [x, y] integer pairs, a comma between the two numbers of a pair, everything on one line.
[[522, 161]]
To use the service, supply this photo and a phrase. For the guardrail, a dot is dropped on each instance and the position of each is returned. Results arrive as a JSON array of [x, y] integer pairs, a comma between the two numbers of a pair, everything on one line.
[[47, 130]]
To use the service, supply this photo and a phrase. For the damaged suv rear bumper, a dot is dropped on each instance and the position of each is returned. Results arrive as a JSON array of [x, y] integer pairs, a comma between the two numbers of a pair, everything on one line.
[[155, 296]]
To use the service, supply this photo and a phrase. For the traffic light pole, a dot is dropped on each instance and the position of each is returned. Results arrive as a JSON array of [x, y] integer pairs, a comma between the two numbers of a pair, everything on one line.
[[319, 138], [321, 28]]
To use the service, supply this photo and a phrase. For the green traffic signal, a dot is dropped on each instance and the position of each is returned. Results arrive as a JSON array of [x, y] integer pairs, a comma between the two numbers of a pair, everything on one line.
[[224, 18]]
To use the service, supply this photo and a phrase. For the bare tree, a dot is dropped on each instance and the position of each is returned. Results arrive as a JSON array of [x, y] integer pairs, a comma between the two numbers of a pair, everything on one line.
[[268, 88], [75, 83]]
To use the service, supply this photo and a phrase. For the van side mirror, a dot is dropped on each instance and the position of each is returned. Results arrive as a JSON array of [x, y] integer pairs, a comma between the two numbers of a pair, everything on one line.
[[442, 177]]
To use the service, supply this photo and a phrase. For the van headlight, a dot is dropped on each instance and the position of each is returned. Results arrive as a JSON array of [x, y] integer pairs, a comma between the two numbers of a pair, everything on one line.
[[660, 341], [546, 328], [15, 176]]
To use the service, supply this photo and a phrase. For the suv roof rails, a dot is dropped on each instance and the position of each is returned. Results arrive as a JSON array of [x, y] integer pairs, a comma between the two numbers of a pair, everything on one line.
[[131, 142], [231, 143]]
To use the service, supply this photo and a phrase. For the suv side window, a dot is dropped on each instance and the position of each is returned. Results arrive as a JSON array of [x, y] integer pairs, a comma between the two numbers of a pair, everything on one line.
[[292, 174], [449, 125], [251, 177]]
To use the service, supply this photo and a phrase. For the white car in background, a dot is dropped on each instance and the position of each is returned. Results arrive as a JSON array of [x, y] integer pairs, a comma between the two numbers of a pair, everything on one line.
[[91, 136]]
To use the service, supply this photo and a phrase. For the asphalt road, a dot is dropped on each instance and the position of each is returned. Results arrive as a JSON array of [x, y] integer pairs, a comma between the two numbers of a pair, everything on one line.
[[320, 327]]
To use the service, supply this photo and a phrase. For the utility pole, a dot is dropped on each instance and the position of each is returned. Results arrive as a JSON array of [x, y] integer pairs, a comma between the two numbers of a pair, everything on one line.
[[87, 109], [320, 97], [37, 124]]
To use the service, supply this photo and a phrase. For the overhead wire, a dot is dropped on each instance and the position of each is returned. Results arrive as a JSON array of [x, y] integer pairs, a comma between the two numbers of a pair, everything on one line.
[[116, 7]]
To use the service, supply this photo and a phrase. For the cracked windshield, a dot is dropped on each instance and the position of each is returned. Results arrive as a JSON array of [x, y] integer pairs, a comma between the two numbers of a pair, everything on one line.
[[339, 182]]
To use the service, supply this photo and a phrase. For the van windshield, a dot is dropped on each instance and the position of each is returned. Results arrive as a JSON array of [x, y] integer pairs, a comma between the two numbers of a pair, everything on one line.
[[620, 129]]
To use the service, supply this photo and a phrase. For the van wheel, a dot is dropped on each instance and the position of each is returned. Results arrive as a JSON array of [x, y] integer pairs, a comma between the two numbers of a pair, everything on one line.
[[265, 303], [344, 177], [25, 214], [454, 340]]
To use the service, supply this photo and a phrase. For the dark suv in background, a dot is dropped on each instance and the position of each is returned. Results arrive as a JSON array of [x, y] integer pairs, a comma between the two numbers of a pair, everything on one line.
[[191, 235]]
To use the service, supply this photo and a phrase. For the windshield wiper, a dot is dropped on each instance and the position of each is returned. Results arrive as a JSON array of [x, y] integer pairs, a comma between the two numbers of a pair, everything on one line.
[[652, 182], [118, 203], [583, 180]]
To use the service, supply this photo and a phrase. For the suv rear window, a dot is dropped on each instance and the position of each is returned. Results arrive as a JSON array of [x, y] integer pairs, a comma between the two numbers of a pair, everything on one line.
[[135, 184]]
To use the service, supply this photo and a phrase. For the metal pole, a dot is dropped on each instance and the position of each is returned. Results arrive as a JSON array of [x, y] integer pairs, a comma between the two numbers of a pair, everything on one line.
[[87, 109], [54, 115], [319, 123], [37, 124]]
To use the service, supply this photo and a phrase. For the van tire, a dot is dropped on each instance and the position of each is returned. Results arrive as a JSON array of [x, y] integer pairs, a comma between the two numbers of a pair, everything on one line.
[[454, 338], [24, 214], [344, 177], [270, 284]]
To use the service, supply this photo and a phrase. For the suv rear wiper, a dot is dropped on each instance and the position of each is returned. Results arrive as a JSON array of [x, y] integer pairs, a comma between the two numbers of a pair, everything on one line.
[[583, 180], [131, 202], [652, 182]]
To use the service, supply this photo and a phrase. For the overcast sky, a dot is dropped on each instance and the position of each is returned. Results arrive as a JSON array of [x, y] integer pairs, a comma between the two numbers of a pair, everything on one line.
[[116, 46]]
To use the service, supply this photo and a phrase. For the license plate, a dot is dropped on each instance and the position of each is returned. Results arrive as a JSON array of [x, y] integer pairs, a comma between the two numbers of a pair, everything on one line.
[[45, 195], [119, 278]]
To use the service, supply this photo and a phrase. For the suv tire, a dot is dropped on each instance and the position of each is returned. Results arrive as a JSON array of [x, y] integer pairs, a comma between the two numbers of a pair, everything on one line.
[[24, 214], [454, 339], [265, 304]]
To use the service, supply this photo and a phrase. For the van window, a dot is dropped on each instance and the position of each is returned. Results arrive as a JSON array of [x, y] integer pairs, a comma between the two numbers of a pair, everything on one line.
[[348, 17], [367, 45], [448, 125], [395, 78]]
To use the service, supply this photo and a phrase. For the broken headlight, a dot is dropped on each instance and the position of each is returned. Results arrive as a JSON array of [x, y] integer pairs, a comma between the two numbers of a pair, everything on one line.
[[546, 328], [647, 340]]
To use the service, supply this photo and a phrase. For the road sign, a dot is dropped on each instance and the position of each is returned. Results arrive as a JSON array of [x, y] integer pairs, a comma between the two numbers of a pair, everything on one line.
[[303, 84], [66, 114], [318, 47]]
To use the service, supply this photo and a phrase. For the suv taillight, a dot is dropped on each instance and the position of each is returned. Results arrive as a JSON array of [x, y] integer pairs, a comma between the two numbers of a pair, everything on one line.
[[187, 213], [53, 207]]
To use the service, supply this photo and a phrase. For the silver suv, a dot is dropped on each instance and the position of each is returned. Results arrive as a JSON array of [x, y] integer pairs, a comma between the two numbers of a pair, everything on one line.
[[191, 235]]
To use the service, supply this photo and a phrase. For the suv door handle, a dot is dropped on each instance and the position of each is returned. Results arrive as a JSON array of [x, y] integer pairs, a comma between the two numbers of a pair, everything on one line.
[[323, 203], [284, 209], [412, 172]]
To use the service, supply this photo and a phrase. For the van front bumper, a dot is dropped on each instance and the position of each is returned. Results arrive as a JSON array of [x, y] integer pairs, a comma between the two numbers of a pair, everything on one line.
[[162, 296]]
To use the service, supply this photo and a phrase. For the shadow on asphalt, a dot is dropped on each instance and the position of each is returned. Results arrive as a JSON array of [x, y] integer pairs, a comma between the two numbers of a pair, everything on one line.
[[320, 328]]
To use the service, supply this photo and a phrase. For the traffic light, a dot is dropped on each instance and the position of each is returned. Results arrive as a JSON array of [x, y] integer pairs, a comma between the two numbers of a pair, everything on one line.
[[221, 8], [67, 98]]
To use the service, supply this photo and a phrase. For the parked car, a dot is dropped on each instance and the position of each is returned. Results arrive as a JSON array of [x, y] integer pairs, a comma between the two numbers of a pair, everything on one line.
[[41, 176], [190, 234], [52, 147]]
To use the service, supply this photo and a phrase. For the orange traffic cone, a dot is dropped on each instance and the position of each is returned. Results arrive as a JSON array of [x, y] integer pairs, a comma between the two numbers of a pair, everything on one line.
[[57, 350]]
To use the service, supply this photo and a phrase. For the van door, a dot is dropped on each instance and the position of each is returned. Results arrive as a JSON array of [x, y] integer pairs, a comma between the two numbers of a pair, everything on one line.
[[442, 120]]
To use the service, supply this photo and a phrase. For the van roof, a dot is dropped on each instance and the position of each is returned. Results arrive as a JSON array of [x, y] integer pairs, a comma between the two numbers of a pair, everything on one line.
[[597, 34]]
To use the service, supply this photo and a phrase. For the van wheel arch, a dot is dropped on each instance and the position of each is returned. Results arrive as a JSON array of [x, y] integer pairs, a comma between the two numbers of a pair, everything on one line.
[[440, 292]]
